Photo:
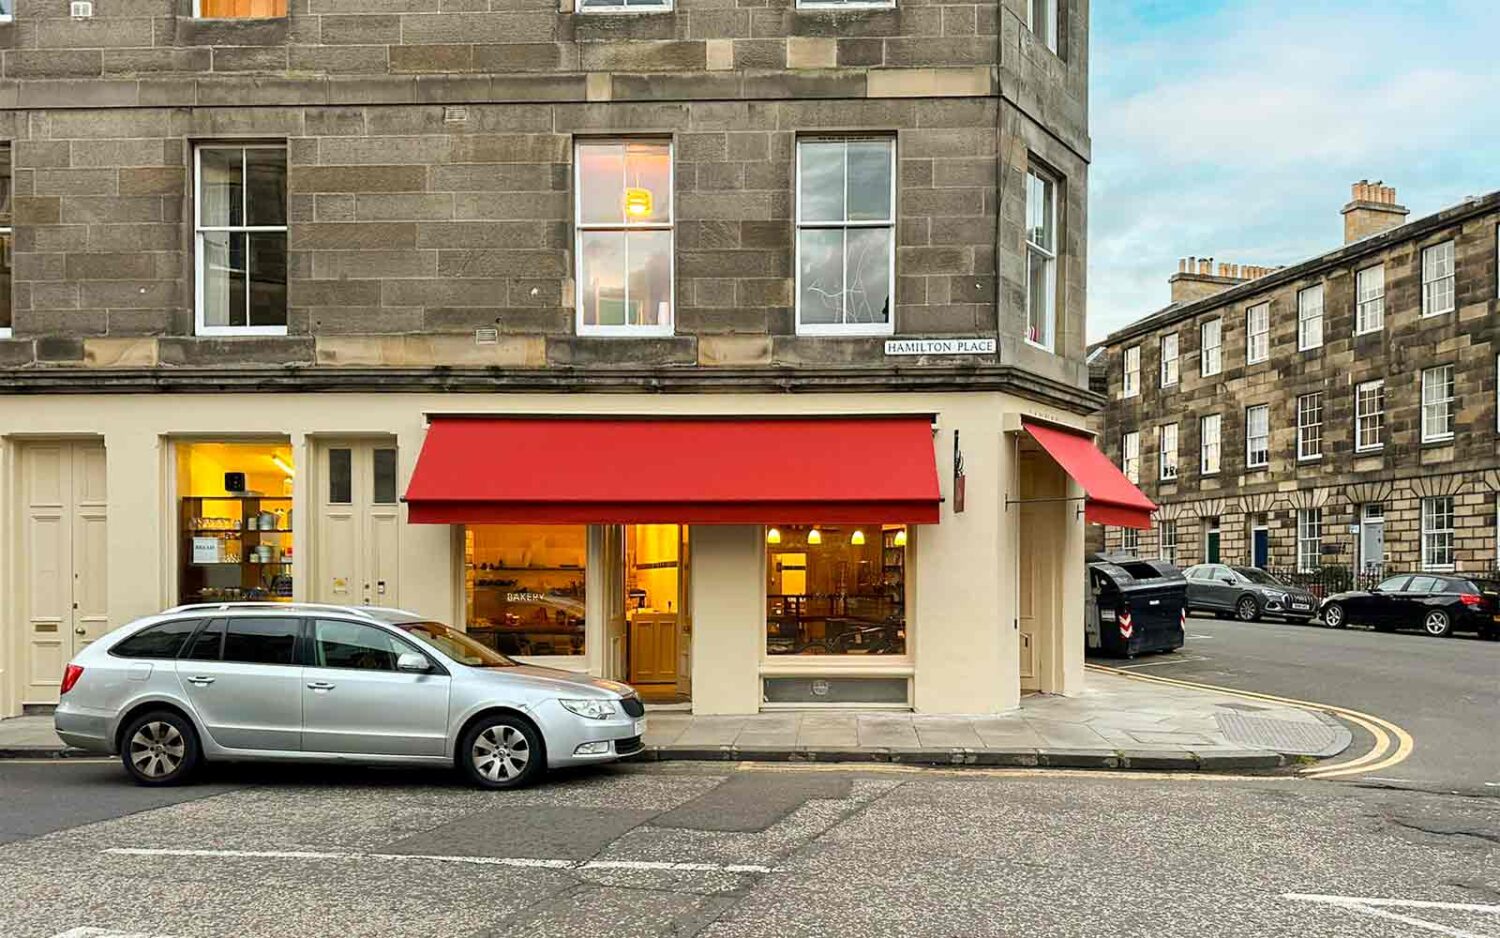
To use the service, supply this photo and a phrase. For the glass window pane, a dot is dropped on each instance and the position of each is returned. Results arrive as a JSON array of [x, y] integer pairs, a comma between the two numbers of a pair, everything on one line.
[[261, 640], [525, 587], [650, 289], [836, 589], [869, 294], [340, 476], [223, 278], [5, 209], [821, 180], [352, 645], [267, 299], [648, 166], [385, 477], [1039, 213], [207, 644], [159, 641], [265, 181], [1039, 298], [601, 178], [220, 189], [820, 253], [870, 180], [602, 279]]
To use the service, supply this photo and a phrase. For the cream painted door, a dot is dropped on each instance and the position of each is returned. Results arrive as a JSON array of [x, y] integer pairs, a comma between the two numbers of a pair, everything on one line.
[[64, 557], [684, 617], [359, 524]]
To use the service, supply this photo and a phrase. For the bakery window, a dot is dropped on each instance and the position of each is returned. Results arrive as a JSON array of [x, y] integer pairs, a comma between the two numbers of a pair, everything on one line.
[[836, 589], [524, 587], [234, 521]]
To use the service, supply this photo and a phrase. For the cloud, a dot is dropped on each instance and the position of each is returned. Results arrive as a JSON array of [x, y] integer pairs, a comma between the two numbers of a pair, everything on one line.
[[1234, 129]]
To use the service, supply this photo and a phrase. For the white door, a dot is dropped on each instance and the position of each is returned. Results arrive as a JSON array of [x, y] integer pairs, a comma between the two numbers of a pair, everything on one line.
[[359, 523], [64, 557], [1372, 538]]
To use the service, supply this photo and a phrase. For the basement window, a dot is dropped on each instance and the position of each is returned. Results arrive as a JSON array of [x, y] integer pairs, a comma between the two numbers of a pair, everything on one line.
[[235, 9], [624, 6]]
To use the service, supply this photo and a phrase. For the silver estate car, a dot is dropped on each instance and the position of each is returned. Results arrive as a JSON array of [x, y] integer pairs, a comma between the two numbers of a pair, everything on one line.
[[292, 682]]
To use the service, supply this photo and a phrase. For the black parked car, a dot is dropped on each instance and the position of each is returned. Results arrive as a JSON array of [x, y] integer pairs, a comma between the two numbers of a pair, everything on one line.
[[1437, 604], [1246, 592]]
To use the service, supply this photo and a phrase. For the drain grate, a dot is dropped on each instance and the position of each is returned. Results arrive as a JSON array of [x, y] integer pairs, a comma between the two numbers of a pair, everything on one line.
[[1290, 736]]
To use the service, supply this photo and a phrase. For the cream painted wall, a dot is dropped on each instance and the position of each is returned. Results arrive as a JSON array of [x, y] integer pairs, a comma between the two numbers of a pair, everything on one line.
[[962, 609]]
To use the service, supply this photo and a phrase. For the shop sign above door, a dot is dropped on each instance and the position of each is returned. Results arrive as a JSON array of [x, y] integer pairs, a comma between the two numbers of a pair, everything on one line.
[[940, 346]]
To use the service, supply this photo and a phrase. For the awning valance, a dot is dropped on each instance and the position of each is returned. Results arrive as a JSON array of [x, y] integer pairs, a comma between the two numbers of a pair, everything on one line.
[[726, 470], [1112, 498]]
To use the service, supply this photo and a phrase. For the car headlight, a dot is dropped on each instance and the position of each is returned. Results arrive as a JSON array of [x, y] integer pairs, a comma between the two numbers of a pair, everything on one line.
[[590, 709], [1276, 595]]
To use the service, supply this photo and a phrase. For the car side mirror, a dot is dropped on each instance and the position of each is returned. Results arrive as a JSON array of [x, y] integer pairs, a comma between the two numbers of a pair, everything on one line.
[[1227, 579], [413, 663]]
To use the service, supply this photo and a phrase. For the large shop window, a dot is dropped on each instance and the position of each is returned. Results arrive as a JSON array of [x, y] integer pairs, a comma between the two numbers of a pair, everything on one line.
[[235, 521], [846, 235], [524, 587], [240, 244], [836, 590], [624, 227]]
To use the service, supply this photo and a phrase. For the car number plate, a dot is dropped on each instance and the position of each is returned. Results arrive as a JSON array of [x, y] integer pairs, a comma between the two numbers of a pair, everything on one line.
[[1301, 606], [640, 727]]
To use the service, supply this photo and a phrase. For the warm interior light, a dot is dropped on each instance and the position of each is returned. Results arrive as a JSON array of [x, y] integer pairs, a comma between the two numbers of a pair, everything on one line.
[[637, 202], [283, 465], [901, 538], [773, 536], [814, 536], [858, 538]]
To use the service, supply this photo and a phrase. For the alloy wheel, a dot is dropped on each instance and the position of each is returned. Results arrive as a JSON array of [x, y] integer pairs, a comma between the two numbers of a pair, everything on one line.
[[1437, 623], [1248, 610], [1333, 616], [157, 749], [500, 753]]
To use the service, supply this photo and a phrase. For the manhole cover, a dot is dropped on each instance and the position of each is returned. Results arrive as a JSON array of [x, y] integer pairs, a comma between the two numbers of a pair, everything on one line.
[[1291, 736]]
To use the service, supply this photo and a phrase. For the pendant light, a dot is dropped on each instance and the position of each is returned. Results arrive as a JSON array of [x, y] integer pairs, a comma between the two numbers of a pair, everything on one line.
[[900, 540], [773, 536], [858, 538], [814, 536]]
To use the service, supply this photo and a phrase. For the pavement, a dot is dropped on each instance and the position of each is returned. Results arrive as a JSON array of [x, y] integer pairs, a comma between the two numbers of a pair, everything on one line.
[[1116, 723]]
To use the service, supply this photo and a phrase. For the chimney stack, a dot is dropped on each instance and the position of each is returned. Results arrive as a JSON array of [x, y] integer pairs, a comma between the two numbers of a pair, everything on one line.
[[1371, 210], [1198, 277]]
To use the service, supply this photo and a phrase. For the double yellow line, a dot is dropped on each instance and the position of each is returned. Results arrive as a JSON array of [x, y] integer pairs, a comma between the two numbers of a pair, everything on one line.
[[1392, 744]]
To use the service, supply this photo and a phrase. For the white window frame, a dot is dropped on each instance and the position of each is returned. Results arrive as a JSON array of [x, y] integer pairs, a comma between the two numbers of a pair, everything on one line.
[[1309, 539], [665, 6], [580, 226], [1361, 445], [1310, 318], [1310, 427], [1053, 183], [1130, 376], [1438, 543], [1257, 440], [1167, 546], [1437, 403], [199, 264], [1204, 348], [1210, 450], [1130, 540], [1171, 365], [1167, 452], [1051, 34], [1130, 456], [1439, 278], [1257, 333], [7, 17], [838, 328], [1369, 300]]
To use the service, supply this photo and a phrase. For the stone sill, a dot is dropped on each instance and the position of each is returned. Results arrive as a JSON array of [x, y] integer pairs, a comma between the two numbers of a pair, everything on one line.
[[235, 31]]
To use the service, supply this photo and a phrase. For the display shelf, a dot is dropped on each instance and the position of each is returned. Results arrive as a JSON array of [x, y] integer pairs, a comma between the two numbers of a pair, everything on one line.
[[237, 498], [527, 569], [195, 531]]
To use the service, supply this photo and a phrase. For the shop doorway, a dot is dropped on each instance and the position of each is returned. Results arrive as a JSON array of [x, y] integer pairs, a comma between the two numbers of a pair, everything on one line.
[[652, 633], [1260, 543], [63, 558], [359, 523]]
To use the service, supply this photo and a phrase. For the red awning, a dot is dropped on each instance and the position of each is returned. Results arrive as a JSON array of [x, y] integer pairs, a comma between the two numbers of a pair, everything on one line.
[[599, 470], [1112, 498]]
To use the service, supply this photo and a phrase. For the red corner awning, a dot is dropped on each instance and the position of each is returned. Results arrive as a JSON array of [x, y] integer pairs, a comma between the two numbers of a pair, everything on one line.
[[600, 470], [1112, 498]]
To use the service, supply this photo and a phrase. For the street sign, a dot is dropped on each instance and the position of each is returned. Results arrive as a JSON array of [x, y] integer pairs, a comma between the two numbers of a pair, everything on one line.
[[940, 346]]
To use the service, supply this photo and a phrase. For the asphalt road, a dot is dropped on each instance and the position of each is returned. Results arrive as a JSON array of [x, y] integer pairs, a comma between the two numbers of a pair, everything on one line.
[[1444, 692], [727, 851]]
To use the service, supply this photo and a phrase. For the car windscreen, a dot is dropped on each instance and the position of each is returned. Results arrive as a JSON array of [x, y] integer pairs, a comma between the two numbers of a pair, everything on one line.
[[457, 646], [1256, 575]]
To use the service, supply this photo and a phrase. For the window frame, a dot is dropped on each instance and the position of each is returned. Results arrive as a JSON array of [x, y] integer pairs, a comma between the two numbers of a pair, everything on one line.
[[1052, 255], [1309, 519], [1449, 416], [1364, 305], [666, 6], [1304, 424], [1130, 540], [1218, 347], [1163, 463], [1360, 446], [1264, 412], [1305, 321], [200, 327], [1167, 547], [1130, 374], [658, 330], [855, 330], [1451, 277], [1052, 39], [1252, 334], [1130, 462], [851, 5], [1450, 532], [1175, 359], [1218, 444]]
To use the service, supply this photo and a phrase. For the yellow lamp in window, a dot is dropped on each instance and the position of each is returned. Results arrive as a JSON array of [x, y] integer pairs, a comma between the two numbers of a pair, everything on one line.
[[638, 202], [857, 538], [900, 539], [773, 536], [814, 536]]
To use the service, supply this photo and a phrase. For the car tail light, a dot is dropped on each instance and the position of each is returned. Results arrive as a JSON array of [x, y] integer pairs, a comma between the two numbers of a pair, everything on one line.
[[1472, 600], [71, 674]]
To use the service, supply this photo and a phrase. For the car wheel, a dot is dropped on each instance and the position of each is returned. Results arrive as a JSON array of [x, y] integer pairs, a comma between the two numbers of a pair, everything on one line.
[[1247, 609], [502, 751], [1333, 616], [159, 748], [1437, 624]]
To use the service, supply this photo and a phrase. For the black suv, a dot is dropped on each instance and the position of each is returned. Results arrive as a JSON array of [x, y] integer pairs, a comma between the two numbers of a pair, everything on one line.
[[1438, 604]]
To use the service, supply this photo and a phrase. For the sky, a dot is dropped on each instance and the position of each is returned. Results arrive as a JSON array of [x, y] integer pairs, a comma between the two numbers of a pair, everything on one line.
[[1234, 128]]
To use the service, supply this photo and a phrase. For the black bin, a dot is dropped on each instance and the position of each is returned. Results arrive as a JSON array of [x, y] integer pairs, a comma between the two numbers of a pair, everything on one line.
[[1134, 606]]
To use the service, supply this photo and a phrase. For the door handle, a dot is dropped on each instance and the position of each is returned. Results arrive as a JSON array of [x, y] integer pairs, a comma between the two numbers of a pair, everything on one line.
[[320, 685], [80, 630], [202, 680]]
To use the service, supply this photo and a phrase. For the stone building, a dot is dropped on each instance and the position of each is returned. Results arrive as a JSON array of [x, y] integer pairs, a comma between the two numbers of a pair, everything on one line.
[[411, 301], [1340, 412]]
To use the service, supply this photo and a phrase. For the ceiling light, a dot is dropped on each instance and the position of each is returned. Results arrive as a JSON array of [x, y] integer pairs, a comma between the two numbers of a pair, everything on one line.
[[814, 536], [773, 536], [283, 465], [857, 538], [901, 538]]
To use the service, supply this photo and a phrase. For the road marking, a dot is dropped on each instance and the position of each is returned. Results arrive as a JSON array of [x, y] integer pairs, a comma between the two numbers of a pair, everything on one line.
[[1385, 733], [1175, 659], [1380, 908], [522, 862]]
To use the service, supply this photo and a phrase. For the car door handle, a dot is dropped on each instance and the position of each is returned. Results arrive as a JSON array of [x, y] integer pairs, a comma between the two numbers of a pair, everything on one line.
[[320, 685], [202, 680]]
